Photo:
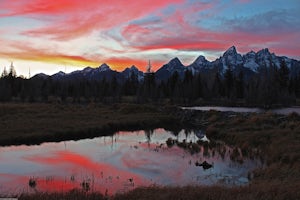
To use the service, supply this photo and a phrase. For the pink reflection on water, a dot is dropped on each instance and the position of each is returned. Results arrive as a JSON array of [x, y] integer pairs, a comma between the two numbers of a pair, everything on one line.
[[101, 176], [114, 164]]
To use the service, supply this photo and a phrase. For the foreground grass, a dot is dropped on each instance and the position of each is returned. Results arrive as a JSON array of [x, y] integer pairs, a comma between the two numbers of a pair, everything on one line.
[[275, 137], [258, 192], [35, 123]]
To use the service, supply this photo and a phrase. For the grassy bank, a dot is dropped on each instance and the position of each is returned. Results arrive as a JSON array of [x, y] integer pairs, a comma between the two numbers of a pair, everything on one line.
[[269, 191], [35, 123]]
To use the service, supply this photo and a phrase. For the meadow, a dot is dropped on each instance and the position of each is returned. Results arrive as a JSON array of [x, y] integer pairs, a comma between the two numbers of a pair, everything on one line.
[[36, 123]]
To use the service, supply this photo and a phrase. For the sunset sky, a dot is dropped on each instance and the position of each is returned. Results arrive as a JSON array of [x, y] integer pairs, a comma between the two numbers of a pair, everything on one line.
[[51, 36]]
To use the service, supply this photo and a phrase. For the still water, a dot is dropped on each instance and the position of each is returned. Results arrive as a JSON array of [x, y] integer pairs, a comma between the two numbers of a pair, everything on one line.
[[281, 111], [119, 163]]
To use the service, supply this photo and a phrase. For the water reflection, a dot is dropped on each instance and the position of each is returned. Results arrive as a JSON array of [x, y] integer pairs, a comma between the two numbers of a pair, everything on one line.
[[281, 111], [124, 161]]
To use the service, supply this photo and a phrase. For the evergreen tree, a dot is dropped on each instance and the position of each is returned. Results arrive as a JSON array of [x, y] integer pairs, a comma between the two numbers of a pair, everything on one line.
[[283, 75], [4, 73], [217, 89], [229, 80], [240, 85], [12, 71]]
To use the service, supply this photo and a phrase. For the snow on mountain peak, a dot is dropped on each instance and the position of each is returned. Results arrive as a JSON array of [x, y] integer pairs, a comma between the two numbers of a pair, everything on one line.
[[231, 58], [104, 67], [87, 69], [134, 68], [264, 52], [175, 61], [200, 60], [251, 53], [230, 51], [61, 73]]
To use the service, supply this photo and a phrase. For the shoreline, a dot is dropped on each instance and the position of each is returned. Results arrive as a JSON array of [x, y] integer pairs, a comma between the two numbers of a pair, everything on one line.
[[31, 124]]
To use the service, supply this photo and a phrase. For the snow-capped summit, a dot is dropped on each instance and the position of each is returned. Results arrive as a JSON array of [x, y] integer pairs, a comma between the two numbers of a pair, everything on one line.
[[263, 58], [199, 64], [230, 51], [231, 58], [200, 61], [103, 67], [87, 69], [128, 72], [134, 68], [168, 69], [175, 62], [250, 61], [40, 75], [264, 51], [58, 75], [174, 65]]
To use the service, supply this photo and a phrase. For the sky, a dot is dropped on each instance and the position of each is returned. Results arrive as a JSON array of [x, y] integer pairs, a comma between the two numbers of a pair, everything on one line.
[[44, 36]]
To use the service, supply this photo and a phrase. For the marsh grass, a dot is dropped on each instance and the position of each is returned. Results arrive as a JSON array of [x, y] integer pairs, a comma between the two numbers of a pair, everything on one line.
[[35, 123], [262, 191]]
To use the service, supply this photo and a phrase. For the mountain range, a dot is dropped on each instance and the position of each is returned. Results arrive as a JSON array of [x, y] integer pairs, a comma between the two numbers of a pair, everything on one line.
[[250, 63]]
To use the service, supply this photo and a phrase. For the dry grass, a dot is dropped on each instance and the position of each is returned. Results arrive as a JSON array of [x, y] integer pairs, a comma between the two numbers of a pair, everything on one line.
[[71, 195], [262, 191], [35, 123], [276, 138]]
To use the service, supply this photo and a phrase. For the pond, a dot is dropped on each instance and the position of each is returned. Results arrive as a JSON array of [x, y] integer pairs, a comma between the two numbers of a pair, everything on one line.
[[282, 111], [123, 162]]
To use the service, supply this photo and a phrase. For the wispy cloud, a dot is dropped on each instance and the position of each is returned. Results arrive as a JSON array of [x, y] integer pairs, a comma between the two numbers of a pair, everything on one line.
[[122, 33], [67, 19]]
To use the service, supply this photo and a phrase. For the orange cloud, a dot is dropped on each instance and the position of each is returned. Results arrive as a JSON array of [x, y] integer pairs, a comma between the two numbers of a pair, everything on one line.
[[40, 56], [120, 64]]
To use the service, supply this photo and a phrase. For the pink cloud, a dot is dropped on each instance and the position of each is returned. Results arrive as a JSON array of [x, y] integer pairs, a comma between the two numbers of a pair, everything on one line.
[[178, 32], [72, 18]]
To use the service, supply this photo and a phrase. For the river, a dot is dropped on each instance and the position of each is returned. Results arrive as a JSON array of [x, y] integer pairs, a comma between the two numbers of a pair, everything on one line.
[[282, 111]]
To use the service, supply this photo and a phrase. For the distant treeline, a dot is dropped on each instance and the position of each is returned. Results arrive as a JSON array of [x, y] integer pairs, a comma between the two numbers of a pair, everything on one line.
[[272, 86]]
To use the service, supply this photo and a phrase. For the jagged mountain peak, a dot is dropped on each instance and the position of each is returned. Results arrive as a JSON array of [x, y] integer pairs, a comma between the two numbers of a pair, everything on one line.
[[230, 51], [40, 75], [251, 53], [61, 73], [58, 75], [87, 69], [200, 60], [133, 67], [104, 67], [264, 51], [133, 70], [249, 63], [231, 58], [175, 61]]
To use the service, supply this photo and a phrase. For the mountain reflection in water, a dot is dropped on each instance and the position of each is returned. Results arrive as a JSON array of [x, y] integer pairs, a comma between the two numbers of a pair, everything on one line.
[[122, 162]]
